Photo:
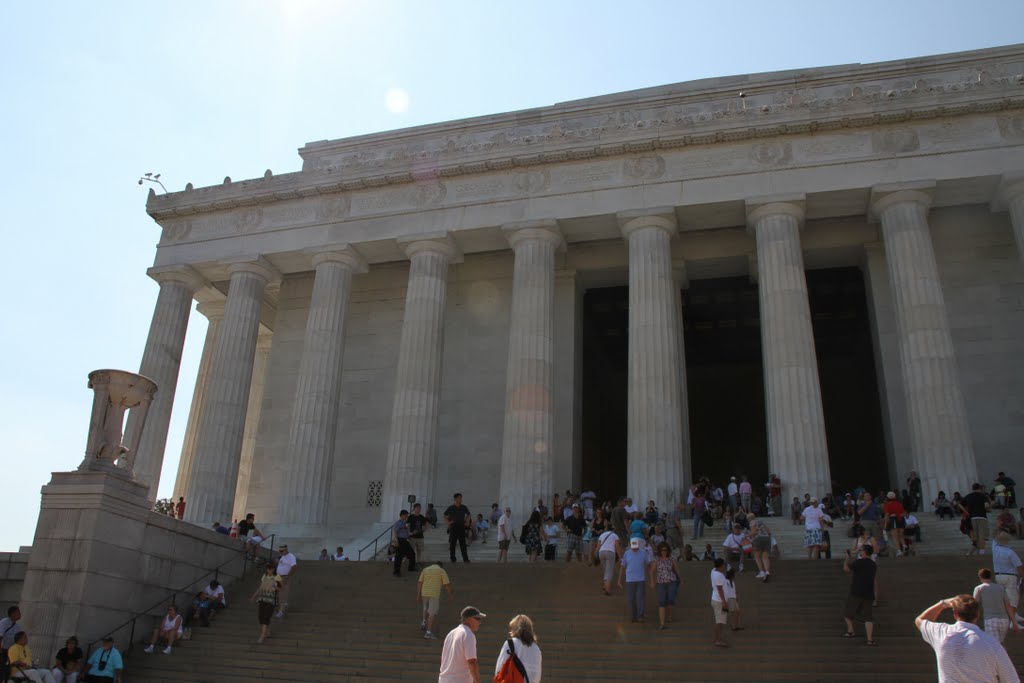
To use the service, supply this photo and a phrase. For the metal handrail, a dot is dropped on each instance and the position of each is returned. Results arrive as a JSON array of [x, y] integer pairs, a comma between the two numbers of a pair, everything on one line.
[[134, 618], [374, 544]]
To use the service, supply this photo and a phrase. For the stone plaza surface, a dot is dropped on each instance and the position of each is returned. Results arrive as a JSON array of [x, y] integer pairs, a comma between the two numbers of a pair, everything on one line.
[[403, 316]]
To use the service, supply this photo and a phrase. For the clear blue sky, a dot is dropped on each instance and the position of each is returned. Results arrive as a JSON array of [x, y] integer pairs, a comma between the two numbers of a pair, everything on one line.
[[94, 94]]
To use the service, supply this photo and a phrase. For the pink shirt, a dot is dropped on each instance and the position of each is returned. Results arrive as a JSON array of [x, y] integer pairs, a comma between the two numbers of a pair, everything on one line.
[[746, 487]]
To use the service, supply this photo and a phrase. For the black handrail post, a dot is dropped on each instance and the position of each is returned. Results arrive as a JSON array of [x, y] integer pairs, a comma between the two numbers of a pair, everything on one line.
[[131, 637]]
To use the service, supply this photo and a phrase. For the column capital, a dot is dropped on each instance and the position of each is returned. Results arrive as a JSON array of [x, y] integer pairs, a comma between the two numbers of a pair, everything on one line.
[[186, 275], [544, 230], [439, 242], [889, 194], [255, 265], [663, 218], [213, 310], [1011, 187], [343, 253], [775, 205]]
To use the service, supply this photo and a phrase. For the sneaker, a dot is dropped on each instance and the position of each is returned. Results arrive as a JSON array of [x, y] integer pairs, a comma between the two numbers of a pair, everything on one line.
[[280, 614], [899, 553], [429, 636], [167, 650], [760, 575], [148, 650], [741, 568]]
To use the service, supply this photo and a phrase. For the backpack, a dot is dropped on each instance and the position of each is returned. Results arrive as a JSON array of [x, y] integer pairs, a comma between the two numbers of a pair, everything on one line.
[[512, 671]]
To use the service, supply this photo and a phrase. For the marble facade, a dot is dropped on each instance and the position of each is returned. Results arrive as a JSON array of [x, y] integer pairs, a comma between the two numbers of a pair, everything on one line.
[[419, 291]]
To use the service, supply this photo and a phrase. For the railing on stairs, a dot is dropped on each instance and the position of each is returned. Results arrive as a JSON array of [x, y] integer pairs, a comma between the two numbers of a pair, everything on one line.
[[171, 597], [375, 543]]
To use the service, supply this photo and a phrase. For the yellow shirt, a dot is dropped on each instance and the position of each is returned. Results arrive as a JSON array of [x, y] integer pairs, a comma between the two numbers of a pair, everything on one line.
[[20, 653], [432, 578]]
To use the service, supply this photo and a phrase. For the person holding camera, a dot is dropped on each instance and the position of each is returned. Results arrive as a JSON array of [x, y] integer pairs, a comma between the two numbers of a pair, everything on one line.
[[105, 664]]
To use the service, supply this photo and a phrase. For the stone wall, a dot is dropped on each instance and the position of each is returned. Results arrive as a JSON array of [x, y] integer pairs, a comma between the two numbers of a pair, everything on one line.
[[100, 555], [12, 577]]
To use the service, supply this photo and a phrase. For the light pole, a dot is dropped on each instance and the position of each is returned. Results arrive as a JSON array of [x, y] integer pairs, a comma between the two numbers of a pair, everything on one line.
[[152, 178]]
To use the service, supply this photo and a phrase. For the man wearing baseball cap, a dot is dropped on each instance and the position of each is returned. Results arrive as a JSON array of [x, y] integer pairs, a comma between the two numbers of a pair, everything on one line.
[[458, 657]]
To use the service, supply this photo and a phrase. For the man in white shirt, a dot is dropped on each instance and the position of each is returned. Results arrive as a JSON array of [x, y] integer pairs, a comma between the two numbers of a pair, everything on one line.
[[733, 545], [963, 652], [733, 489], [505, 535], [588, 497], [215, 592], [286, 570], [1007, 567], [458, 656], [630, 507]]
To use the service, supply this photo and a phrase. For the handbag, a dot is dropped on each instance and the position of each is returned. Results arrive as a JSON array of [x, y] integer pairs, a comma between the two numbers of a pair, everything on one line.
[[707, 518]]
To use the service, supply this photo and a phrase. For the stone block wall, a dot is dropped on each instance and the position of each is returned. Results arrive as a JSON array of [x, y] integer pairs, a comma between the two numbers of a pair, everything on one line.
[[100, 556], [12, 576]]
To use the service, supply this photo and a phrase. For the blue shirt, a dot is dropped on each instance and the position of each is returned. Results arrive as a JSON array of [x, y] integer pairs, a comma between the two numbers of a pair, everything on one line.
[[111, 659], [401, 530], [635, 562]]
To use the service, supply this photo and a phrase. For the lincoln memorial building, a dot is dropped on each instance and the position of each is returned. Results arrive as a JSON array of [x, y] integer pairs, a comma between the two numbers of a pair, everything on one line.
[[817, 273]]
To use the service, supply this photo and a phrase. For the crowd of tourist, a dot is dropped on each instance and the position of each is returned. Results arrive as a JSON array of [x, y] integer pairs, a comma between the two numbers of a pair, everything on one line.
[[18, 662]]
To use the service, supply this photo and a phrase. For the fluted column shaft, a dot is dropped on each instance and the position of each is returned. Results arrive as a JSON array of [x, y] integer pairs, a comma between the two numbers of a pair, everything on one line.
[[797, 447], [940, 438], [214, 312], [527, 443], [305, 492], [161, 362], [252, 422], [680, 282], [412, 444], [1015, 204], [214, 474], [654, 468]]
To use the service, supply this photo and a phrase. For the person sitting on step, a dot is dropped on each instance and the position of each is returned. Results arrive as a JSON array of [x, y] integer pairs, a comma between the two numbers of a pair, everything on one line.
[[169, 630]]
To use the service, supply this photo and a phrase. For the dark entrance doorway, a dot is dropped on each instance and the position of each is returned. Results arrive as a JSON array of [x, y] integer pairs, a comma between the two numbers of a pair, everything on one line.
[[725, 386]]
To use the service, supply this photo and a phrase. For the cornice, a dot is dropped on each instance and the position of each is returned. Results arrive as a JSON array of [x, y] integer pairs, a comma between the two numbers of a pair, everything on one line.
[[702, 113]]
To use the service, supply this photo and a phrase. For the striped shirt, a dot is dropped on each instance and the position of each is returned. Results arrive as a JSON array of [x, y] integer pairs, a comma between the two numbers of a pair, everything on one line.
[[432, 578], [966, 654]]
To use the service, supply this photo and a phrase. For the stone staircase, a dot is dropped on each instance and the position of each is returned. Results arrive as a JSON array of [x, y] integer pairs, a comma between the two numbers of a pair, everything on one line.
[[355, 622]]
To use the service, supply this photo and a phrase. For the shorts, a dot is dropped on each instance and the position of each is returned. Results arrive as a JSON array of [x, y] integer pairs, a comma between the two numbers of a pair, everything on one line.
[[896, 523], [431, 605], [264, 610], [721, 616], [1009, 582], [812, 537], [254, 540], [503, 545], [997, 628], [734, 605], [667, 593], [575, 545], [762, 544], [858, 609]]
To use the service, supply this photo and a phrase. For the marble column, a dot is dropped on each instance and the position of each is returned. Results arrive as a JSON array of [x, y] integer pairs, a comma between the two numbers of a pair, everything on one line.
[[305, 491], [654, 467], [252, 421], [681, 282], [1011, 195], [161, 361], [527, 448], [797, 448], [213, 477], [214, 313], [940, 438], [412, 444]]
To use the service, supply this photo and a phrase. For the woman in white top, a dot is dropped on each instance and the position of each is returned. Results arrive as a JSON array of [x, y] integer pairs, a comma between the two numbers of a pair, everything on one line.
[[520, 630], [609, 551], [811, 517], [168, 630]]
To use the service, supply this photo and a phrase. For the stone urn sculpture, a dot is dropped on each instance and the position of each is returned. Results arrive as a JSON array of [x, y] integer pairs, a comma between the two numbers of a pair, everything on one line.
[[116, 392]]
